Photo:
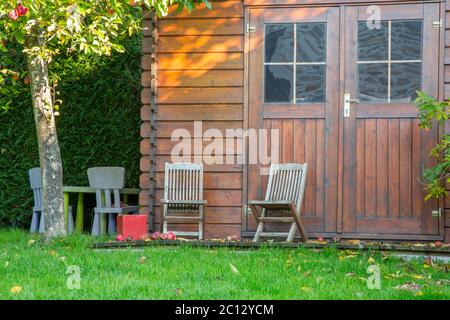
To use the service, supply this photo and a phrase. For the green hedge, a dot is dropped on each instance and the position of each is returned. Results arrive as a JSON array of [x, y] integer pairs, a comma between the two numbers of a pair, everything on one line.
[[98, 125]]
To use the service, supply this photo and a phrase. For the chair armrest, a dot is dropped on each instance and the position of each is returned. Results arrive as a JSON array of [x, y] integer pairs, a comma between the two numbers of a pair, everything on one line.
[[198, 202], [263, 202]]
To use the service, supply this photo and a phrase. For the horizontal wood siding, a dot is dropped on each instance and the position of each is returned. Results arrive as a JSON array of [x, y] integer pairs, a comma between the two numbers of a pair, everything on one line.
[[147, 163], [446, 94], [200, 78]]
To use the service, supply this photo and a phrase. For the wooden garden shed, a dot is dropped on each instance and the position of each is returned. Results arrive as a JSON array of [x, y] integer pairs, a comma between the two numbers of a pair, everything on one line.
[[290, 65]]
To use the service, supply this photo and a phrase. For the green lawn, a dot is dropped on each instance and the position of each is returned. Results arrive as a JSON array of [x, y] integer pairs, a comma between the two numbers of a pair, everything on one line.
[[38, 271]]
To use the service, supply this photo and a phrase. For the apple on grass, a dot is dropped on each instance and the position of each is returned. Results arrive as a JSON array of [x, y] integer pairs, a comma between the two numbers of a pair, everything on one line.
[[155, 236], [171, 236]]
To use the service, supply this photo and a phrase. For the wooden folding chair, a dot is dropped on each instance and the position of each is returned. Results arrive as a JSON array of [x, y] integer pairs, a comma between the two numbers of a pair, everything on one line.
[[108, 181], [183, 196], [283, 201]]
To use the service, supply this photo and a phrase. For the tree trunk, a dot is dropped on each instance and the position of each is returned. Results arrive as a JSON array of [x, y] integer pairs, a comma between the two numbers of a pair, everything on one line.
[[49, 153]]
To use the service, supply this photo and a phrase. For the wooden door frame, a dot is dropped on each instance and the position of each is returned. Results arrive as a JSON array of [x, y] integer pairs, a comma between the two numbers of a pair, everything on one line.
[[435, 89], [341, 5], [330, 107]]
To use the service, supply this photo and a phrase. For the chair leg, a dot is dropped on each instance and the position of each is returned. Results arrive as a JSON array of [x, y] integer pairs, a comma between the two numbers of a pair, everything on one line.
[[291, 233], [70, 224], [164, 221], [258, 231], [260, 227], [200, 223], [112, 224], [96, 225], [299, 222], [34, 222], [42, 223]]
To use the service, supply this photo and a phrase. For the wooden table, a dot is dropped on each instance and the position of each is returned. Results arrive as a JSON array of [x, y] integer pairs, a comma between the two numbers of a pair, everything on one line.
[[79, 218]]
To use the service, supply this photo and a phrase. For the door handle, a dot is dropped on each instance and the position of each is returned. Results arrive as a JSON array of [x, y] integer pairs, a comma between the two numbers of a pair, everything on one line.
[[347, 101]]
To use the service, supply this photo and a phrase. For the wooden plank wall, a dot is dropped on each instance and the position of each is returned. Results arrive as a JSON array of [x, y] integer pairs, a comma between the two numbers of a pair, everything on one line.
[[200, 77], [446, 219], [148, 112]]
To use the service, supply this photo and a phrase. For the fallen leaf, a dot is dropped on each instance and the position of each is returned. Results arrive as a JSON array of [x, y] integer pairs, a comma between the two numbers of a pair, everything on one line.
[[306, 289], [428, 261], [385, 255], [141, 260], [234, 269], [417, 276], [53, 253], [419, 293], [307, 273], [354, 241], [31, 241], [371, 260], [408, 287], [350, 274], [62, 259], [16, 289]]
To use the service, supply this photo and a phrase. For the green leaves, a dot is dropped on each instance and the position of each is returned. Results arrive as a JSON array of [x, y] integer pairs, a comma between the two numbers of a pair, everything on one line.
[[430, 109], [90, 27], [432, 112]]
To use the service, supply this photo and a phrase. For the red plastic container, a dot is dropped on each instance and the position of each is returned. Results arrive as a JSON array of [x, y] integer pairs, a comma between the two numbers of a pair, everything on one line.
[[134, 226]]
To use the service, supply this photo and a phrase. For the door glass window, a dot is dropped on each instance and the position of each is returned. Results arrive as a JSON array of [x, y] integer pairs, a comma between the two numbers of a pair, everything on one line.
[[294, 63], [389, 61]]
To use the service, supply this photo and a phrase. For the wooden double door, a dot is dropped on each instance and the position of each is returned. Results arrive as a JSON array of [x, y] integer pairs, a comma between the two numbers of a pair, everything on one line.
[[338, 85]]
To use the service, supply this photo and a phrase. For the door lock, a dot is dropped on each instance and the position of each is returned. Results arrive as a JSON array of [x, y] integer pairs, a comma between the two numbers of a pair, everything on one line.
[[436, 213], [347, 101]]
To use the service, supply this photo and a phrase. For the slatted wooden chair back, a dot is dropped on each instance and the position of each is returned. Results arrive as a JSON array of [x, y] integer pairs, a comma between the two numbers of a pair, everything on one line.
[[36, 185], [107, 182], [183, 184], [287, 183]]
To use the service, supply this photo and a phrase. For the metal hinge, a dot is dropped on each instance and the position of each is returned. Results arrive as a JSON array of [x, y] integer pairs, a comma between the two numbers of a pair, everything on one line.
[[436, 213], [437, 24], [250, 28]]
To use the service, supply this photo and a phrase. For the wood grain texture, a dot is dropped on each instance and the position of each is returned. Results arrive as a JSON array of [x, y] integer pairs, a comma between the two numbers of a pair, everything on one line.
[[227, 128], [199, 112], [199, 61], [215, 43], [197, 27], [221, 9], [200, 78], [200, 95]]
